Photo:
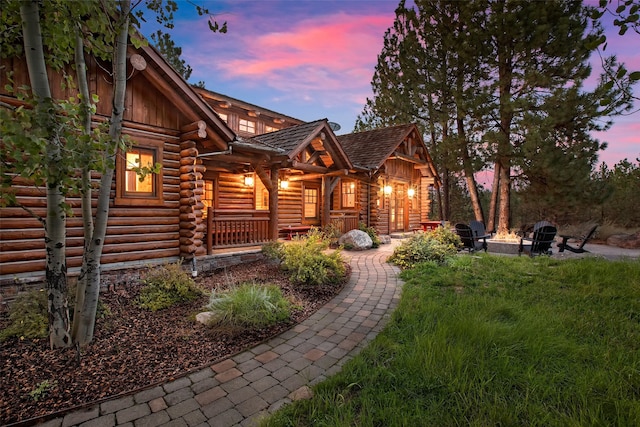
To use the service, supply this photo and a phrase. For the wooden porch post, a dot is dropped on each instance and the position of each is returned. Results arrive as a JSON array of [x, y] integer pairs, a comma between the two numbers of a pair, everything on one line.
[[273, 204], [326, 201]]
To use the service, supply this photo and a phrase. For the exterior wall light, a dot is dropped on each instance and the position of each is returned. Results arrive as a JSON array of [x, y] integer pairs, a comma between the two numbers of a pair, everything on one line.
[[388, 189], [284, 184], [411, 192], [248, 180]]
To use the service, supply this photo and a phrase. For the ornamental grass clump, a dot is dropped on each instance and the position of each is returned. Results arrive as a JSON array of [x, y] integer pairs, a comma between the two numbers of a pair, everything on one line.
[[437, 246], [307, 262], [250, 305], [167, 285]]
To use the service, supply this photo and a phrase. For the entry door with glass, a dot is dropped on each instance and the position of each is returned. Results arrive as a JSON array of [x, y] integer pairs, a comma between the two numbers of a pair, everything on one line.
[[397, 208]]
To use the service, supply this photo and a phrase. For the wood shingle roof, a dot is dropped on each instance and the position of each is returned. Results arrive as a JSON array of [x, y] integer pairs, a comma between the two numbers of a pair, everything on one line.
[[370, 149]]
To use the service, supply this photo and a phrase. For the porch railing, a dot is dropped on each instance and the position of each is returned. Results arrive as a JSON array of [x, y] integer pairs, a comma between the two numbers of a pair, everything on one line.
[[345, 222], [226, 232]]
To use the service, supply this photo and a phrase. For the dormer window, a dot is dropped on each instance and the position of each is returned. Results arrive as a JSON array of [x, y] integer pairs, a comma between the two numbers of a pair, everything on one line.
[[247, 126]]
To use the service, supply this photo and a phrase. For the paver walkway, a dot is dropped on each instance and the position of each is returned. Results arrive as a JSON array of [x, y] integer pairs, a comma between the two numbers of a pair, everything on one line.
[[245, 387]]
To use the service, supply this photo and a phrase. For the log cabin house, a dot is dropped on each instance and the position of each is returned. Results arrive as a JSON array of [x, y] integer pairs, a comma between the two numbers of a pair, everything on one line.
[[233, 175]]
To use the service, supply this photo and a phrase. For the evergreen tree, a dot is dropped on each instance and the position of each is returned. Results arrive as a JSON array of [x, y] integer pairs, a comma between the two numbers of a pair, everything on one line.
[[498, 80], [167, 48]]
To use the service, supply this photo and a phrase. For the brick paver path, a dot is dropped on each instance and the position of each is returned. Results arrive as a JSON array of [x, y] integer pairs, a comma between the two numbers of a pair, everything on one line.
[[245, 387]]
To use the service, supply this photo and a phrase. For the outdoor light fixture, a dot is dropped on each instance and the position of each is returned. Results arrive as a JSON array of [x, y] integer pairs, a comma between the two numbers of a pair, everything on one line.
[[388, 189], [225, 104], [248, 180], [253, 113], [284, 184], [411, 192]]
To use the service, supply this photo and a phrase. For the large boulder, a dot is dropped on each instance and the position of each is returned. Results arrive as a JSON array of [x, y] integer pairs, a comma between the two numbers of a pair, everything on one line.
[[356, 240], [626, 241]]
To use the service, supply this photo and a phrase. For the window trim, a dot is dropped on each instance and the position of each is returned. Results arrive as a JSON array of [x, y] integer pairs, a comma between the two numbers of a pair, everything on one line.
[[126, 198], [343, 194], [250, 126], [316, 188]]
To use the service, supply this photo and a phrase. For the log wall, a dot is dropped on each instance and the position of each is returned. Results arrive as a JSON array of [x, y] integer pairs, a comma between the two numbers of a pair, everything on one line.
[[136, 232]]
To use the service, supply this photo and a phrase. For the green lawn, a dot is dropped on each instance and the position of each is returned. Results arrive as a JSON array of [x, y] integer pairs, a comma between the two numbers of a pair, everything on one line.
[[490, 340]]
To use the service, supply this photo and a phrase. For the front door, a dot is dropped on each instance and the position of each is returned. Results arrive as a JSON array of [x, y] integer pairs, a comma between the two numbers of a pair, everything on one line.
[[397, 207]]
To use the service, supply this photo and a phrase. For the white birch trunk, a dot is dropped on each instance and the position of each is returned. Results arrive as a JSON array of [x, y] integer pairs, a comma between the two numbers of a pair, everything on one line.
[[90, 272], [55, 232]]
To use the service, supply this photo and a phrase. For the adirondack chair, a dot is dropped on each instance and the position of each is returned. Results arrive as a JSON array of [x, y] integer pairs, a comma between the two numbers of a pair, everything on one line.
[[469, 240], [582, 239], [540, 241], [478, 229]]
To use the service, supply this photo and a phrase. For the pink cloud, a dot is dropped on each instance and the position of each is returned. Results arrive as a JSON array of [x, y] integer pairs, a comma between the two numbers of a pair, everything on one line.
[[332, 49], [623, 141]]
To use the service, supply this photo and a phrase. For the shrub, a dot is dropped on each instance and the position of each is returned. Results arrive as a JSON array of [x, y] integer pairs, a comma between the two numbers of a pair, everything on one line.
[[248, 306], [273, 250], [435, 246], [167, 285], [332, 232], [307, 263], [372, 232], [27, 316]]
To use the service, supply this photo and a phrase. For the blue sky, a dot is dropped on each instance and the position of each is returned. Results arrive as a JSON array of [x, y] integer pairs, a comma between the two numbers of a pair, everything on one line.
[[313, 59]]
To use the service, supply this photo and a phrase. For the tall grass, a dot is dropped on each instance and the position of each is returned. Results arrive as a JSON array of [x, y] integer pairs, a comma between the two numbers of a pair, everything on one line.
[[496, 341]]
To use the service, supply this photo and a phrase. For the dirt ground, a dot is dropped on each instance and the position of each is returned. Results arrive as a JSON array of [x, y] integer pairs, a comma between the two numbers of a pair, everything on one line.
[[134, 348]]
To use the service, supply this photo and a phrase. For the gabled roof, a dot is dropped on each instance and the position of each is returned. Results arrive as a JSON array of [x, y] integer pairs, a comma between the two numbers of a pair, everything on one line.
[[292, 141], [185, 98], [370, 149]]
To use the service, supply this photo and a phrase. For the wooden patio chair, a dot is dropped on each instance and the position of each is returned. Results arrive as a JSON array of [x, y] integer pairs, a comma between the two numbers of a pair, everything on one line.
[[582, 239], [540, 241], [469, 240]]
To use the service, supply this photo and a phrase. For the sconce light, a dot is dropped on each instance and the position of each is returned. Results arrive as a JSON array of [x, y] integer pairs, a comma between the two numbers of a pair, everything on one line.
[[388, 189], [411, 192], [248, 180], [284, 184]]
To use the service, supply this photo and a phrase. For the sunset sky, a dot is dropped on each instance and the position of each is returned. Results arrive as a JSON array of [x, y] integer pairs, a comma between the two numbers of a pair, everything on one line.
[[313, 59]]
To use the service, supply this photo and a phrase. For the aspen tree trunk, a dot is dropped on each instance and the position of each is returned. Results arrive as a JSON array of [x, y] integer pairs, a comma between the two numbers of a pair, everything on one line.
[[90, 272], [87, 214], [55, 232]]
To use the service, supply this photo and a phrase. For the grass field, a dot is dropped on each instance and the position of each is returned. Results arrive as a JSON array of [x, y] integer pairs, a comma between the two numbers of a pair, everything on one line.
[[488, 340]]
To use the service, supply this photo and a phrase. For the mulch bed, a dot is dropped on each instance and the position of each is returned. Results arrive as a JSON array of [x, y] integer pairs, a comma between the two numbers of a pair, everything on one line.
[[134, 348]]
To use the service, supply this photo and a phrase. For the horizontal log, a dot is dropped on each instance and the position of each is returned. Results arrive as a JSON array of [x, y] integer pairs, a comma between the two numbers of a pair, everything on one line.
[[187, 161], [193, 135], [190, 249], [188, 233], [187, 225], [198, 124], [186, 241], [148, 254], [189, 152], [191, 176], [186, 209], [188, 217], [187, 169]]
